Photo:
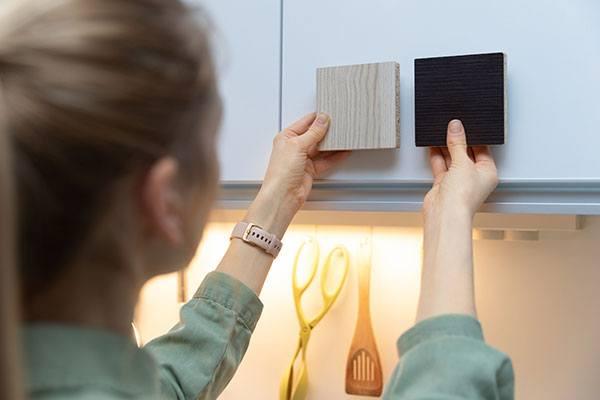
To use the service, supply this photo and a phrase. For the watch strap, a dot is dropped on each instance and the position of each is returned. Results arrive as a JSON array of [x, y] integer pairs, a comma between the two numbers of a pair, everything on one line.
[[257, 236]]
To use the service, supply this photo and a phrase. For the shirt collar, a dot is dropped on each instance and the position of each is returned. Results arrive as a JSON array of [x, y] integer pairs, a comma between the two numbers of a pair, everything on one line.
[[61, 357]]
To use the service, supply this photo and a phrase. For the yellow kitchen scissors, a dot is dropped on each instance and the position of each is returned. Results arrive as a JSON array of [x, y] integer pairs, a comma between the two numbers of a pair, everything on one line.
[[338, 256]]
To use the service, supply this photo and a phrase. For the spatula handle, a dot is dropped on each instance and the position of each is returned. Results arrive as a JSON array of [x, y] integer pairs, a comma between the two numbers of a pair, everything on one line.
[[364, 280]]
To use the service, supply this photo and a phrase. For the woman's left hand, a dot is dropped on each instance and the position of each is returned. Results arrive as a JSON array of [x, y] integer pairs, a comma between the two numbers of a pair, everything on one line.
[[295, 163]]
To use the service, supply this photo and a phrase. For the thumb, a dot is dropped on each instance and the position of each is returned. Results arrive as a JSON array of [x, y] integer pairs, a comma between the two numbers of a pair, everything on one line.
[[316, 132], [457, 140]]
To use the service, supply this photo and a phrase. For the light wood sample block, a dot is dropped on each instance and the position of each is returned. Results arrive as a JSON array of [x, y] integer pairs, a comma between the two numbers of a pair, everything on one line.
[[364, 105], [470, 88]]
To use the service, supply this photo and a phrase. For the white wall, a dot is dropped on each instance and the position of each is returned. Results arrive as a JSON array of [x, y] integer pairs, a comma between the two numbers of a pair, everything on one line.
[[537, 301]]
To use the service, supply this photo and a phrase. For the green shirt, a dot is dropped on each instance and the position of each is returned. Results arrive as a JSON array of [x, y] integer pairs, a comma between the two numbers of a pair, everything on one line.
[[446, 358], [443, 358]]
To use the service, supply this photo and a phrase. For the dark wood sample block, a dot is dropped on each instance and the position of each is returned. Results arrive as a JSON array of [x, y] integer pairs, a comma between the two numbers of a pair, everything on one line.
[[470, 88]]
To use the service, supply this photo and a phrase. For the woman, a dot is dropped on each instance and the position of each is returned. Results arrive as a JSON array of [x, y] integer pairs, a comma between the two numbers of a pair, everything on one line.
[[113, 111]]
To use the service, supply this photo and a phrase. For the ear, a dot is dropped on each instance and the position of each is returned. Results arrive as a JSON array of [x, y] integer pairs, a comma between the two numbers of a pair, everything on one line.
[[162, 201]]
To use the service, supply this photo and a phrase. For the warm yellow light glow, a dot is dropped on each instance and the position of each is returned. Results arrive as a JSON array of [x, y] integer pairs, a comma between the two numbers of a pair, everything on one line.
[[513, 281], [396, 260]]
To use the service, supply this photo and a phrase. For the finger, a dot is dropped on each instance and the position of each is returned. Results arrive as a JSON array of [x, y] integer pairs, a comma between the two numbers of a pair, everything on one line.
[[327, 154], [437, 162], [323, 154], [447, 158], [457, 140], [316, 132], [483, 154], [326, 162], [300, 126], [313, 150], [471, 154]]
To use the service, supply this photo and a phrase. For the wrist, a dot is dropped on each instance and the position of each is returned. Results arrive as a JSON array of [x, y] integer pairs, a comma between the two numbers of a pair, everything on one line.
[[446, 230], [455, 215], [270, 211]]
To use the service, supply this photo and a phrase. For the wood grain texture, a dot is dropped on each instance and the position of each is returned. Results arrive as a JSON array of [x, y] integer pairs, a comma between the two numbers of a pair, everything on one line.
[[470, 88], [364, 375], [363, 102]]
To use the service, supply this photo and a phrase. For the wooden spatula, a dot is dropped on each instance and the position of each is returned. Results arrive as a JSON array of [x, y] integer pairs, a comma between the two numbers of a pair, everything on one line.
[[363, 368]]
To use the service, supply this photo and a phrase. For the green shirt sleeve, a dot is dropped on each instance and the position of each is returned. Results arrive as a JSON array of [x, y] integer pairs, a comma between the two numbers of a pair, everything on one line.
[[199, 356], [446, 358]]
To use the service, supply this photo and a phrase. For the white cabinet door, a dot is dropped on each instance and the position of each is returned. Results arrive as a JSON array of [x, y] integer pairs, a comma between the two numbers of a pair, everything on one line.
[[246, 41], [553, 55]]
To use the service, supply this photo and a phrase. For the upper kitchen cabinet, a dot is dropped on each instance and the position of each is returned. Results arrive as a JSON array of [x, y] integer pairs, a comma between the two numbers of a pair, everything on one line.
[[246, 42], [550, 162]]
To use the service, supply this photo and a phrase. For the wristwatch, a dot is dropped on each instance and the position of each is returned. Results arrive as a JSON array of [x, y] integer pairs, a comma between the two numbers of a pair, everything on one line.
[[257, 236]]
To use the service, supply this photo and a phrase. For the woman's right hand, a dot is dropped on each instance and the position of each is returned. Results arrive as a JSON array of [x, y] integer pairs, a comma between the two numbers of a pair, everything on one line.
[[463, 176]]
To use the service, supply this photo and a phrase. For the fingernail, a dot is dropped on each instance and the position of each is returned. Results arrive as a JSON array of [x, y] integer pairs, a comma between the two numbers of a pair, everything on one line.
[[455, 126], [322, 119]]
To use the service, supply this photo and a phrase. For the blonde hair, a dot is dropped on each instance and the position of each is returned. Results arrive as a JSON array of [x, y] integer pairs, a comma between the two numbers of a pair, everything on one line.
[[95, 90]]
